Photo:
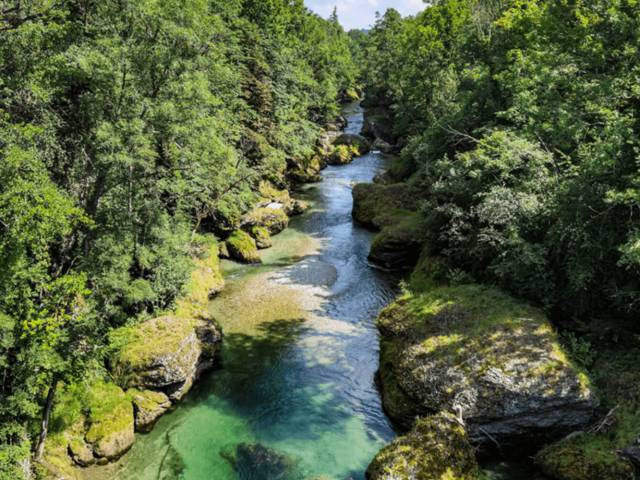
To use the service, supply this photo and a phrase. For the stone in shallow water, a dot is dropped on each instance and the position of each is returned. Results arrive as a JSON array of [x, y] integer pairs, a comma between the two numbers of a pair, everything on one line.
[[258, 462]]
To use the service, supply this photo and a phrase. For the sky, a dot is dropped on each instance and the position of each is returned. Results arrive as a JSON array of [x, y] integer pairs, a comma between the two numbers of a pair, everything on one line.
[[361, 13]]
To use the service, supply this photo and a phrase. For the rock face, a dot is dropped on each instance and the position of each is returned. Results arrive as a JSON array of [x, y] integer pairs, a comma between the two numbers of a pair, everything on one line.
[[397, 247], [168, 353], [474, 350], [378, 124], [391, 209], [110, 432], [437, 448], [272, 216], [149, 406]]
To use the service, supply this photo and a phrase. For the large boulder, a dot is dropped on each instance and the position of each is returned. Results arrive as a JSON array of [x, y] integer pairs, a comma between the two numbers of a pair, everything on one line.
[[149, 406], [437, 448], [379, 124], [377, 206], [272, 216], [476, 351], [242, 247], [358, 143], [398, 246], [166, 354], [111, 424]]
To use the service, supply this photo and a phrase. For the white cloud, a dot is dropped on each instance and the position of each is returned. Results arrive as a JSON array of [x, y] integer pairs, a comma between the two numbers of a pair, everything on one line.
[[361, 13]]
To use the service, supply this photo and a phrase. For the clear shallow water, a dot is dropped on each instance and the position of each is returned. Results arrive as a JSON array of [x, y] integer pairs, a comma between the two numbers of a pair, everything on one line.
[[299, 354]]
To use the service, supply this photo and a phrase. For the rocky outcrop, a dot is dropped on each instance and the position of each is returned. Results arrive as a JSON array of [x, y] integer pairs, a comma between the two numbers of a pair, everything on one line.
[[272, 216], [436, 448], [358, 143], [377, 206], [262, 237], [475, 351], [391, 209], [148, 406], [378, 124], [167, 354], [242, 247], [397, 246]]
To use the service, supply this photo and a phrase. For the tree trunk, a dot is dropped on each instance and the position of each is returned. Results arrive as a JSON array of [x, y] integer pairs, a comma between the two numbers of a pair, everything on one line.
[[45, 420]]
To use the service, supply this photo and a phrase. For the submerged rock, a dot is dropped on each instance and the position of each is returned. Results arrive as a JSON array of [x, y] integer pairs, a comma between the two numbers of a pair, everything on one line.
[[167, 353], [437, 448], [476, 351], [258, 462]]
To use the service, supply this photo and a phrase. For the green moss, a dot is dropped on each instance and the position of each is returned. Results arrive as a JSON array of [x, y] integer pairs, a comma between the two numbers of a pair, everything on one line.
[[275, 220], [398, 245], [585, 457], [262, 237], [206, 279], [343, 154], [270, 193], [147, 399], [437, 448], [430, 272], [109, 411], [378, 206], [242, 247], [473, 329], [616, 373], [139, 345]]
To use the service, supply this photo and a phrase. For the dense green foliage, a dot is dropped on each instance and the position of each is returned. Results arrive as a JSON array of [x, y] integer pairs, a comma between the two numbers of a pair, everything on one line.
[[125, 128], [522, 119]]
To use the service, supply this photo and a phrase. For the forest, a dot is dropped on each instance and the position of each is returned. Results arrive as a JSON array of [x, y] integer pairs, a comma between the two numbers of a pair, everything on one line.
[[136, 137]]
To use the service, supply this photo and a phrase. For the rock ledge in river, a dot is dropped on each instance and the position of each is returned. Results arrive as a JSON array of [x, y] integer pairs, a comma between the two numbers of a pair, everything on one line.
[[475, 350], [436, 448]]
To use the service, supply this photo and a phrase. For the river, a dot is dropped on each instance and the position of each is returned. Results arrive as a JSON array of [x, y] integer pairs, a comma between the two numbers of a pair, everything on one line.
[[299, 356]]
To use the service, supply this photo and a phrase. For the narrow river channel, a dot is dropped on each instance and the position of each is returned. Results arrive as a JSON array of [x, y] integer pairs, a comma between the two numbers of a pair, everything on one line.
[[299, 355]]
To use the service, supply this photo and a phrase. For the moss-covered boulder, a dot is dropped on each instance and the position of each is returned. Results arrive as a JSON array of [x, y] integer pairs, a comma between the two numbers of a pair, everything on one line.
[[111, 422], [342, 155], [377, 206], [148, 406], [584, 456], [165, 354], [242, 247], [357, 143], [398, 246], [262, 237], [610, 448], [272, 216], [474, 350], [437, 448]]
